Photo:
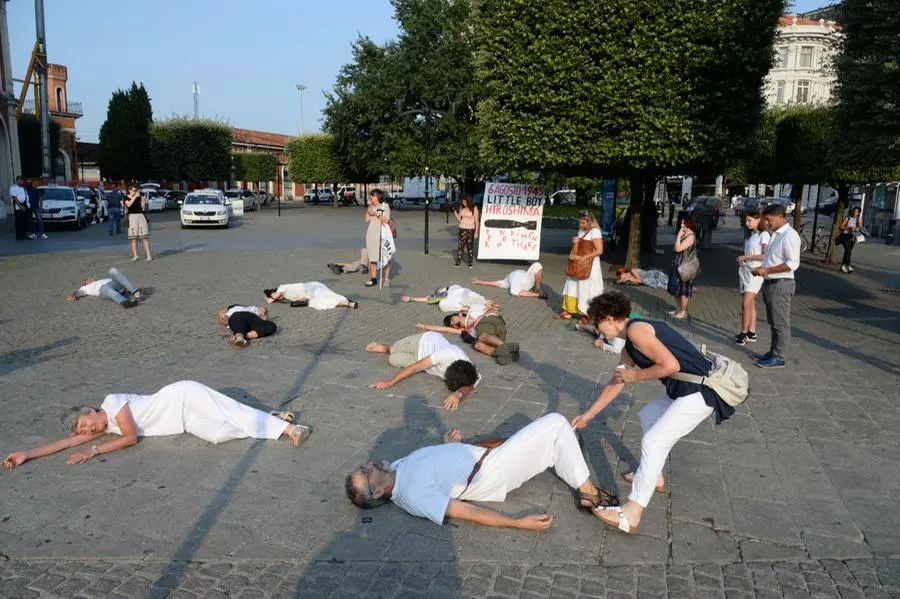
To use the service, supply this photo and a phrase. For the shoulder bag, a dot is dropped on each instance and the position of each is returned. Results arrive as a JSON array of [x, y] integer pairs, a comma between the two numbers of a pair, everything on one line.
[[580, 269], [690, 268], [726, 378]]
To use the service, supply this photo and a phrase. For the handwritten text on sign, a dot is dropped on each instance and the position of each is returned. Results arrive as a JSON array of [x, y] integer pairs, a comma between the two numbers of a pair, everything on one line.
[[511, 222]]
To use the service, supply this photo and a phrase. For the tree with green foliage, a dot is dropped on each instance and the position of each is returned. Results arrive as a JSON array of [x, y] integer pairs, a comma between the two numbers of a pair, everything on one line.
[[371, 111], [30, 155], [255, 167], [627, 88], [868, 97], [311, 159], [187, 149], [125, 135]]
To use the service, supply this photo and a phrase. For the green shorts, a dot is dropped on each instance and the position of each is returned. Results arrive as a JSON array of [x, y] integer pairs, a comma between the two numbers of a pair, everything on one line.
[[491, 324]]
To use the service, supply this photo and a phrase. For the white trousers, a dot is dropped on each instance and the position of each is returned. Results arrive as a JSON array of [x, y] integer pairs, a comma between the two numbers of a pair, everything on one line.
[[217, 418], [548, 442], [664, 422]]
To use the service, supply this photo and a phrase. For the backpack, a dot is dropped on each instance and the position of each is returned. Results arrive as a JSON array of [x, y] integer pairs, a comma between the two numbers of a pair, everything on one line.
[[726, 378], [393, 227]]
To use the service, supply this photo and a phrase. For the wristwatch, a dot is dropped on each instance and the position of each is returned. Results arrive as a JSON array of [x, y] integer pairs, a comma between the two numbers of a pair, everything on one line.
[[95, 451]]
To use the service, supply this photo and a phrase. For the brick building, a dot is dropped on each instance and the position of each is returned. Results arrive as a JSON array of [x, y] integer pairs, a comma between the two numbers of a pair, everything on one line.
[[263, 142]]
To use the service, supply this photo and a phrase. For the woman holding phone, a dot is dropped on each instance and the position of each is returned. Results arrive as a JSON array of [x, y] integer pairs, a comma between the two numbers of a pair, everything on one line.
[[377, 213], [137, 222]]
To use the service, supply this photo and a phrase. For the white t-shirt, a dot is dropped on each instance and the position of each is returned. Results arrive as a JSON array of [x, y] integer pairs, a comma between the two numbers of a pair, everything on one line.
[[753, 247], [232, 310], [92, 288], [459, 297], [520, 280], [784, 248], [17, 191], [427, 479], [155, 415], [442, 352]]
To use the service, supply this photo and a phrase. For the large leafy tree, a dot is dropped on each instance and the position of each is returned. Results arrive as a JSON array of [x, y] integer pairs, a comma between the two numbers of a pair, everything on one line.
[[622, 87], [868, 96], [186, 149], [311, 159], [125, 135], [253, 166], [430, 66], [29, 128]]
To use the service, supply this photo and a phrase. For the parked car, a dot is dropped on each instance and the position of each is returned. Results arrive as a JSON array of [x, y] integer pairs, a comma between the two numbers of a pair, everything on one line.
[[562, 197], [155, 200], [316, 196], [347, 195], [266, 198], [216, 192], [150, 185], [204, 209], [174, 198], [93, 201], [61, 205], [249, 199]]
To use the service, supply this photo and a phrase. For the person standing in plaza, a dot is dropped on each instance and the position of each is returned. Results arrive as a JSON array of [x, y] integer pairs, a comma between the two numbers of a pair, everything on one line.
[[138, 228], [377, 213], [37, 207], [584, 273], [114, 209], [782, 258], [21, 209], [681, 284], [754, 251], [850, 230], [467, 215]]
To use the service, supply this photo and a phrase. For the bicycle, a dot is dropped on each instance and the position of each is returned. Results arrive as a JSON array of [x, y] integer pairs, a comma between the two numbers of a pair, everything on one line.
[[823, 239]]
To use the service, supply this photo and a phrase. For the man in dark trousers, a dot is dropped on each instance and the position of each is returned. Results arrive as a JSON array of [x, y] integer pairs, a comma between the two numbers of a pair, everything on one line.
[[37, 207], [781, 260], [21, 208], [114, 211]]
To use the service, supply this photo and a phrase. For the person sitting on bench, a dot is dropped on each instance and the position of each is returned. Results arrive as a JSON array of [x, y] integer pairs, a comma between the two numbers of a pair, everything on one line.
[[116, 288], [440, 481], [481, 325], [182, 407], [314, 294], [246, 323], [435, 355], [521, 283]]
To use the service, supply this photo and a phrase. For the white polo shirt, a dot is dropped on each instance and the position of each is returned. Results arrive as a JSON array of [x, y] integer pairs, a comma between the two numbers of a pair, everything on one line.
[[784, 248]]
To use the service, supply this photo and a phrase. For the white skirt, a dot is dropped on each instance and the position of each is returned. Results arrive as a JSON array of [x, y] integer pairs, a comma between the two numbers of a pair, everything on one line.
[[749, 282]]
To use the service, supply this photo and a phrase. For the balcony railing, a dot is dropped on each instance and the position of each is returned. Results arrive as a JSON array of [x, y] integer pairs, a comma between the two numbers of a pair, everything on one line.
[[72, 108]]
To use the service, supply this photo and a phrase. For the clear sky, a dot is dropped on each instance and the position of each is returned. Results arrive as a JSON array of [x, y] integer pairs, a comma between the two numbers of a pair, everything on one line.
[[247, 55]]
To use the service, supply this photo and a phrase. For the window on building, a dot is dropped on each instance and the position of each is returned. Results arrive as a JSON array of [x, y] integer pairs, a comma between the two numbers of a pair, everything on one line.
[[781, 60], [806, 57], [802, 95], [59, 100], [779, 92]]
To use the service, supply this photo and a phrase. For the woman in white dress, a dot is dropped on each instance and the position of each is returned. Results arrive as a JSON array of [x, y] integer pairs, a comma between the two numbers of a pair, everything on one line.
[[377, 213], [182, 407], [451, 298], [577, 294], [313, 293], [521, 283]]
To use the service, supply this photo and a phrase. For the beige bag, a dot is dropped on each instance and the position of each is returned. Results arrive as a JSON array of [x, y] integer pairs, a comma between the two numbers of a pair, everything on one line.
[[726, 377]]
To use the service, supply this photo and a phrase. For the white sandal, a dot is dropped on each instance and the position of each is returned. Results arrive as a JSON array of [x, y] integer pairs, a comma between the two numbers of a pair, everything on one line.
[[616, 519]]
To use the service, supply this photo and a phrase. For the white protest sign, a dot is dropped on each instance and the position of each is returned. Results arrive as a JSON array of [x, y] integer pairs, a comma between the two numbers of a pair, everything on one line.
[[511, 216]]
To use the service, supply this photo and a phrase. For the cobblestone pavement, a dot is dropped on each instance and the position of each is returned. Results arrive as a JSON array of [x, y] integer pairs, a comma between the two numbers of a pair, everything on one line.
[[794, 496]]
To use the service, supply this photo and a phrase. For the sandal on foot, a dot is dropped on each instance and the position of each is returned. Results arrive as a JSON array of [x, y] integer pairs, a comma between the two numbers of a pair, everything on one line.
[[563, 316], [600, 500], [628, 477], [299, 434], [286, 416], [238, 341], [614, 517]]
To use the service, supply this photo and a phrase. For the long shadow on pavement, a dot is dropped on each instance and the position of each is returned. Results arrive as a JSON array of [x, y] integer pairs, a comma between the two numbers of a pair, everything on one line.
[[22, 358], [388, 551], [193, 541]]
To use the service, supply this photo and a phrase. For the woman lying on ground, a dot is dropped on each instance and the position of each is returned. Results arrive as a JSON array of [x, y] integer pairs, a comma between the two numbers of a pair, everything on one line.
[[182, 407], [314, 294]]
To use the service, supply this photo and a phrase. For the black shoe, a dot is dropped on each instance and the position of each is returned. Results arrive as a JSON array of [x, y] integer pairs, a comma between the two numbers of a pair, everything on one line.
[[740, 339], [456, 265], [371, 282], [129, 304], [751, 337]]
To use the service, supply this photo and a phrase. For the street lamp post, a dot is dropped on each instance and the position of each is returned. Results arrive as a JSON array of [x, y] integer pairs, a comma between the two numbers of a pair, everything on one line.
[[300, 89], [426, 112]]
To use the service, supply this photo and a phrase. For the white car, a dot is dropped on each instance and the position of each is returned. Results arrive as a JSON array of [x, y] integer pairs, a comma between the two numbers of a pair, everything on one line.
[[154, 200], [61, 205], [204, 209]]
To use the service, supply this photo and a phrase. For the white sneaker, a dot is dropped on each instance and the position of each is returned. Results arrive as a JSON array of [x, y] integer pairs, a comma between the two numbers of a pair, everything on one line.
[[850, 268], [844, 268], [32, 236], [44, 236]]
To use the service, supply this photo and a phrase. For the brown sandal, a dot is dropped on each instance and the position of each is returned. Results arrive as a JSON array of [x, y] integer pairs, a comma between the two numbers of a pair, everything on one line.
[[299, 434]]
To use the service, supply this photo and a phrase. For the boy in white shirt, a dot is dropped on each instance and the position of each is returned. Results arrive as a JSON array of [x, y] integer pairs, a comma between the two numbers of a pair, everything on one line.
[[116, 288], [435, 355]]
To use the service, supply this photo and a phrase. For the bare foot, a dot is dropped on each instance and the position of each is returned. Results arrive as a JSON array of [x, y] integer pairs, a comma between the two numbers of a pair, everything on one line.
[[453, 436], [405, 299], [378, 348], [660, 482]]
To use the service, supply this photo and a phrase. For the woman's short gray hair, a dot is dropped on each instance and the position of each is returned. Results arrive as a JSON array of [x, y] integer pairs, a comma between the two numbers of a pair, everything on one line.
[[70, 417]]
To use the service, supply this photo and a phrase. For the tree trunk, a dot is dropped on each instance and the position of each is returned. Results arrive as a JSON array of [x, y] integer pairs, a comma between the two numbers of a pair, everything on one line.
[[335, 200], [649, 216], [798, 208], [638, 181], [843, 200]]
